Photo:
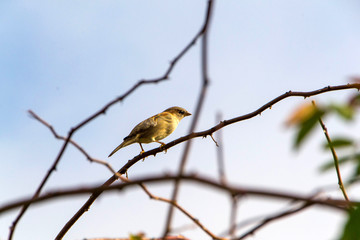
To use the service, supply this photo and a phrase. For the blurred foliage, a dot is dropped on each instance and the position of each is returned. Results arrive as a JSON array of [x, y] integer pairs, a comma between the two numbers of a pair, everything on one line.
[[139, 236], [352, 227], [305, 118]]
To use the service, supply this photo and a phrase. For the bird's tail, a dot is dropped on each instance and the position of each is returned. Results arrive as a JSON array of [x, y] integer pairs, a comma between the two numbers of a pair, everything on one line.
[[125, 143], [117, 148]]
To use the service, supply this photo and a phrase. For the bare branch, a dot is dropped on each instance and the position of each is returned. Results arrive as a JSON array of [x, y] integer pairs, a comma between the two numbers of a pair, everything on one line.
[[229, 189], [91, 159], [42, 184], [220, 152], [273, 218], [225, 123], [176, 205], [233, 215], [222, 124]]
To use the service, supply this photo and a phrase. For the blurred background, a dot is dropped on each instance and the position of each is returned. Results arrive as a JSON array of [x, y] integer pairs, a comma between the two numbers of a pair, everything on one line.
[[66, 59]]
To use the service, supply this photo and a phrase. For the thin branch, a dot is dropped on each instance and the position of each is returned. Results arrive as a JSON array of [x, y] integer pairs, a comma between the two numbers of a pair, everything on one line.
[[216, 143], [176, 205], [142, 238], [205, 81], [232, 121], [233, 215], [229, 189], [223, 180], [336, 160], [222, 124], [273, 218], [76, 145], [220, 152], [40, 187]]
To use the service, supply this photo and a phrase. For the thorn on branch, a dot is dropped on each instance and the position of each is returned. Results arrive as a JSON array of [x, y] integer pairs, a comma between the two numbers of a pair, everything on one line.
[[214, 140]]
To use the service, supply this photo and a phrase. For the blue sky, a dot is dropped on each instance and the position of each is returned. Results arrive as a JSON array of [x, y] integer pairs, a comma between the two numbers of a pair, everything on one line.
[[66, 59]]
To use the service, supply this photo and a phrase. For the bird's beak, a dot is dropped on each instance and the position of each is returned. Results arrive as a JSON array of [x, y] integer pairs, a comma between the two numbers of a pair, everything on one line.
[[187, 114]]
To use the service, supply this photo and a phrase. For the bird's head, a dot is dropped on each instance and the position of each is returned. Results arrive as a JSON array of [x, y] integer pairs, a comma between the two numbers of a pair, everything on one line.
[[179, 112]]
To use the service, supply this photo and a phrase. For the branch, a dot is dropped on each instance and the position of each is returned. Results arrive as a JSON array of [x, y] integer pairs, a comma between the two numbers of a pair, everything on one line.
[[234, 120], [205, 133], [88, 157], [274, 217], [220, 152], [42, 184], [176, 205], [229, 189]]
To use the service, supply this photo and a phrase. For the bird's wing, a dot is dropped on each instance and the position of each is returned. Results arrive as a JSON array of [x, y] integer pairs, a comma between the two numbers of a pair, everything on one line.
[[166, 116], [143, 126]]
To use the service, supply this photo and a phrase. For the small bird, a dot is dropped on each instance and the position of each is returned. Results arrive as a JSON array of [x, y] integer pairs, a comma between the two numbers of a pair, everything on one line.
[[154, 128]]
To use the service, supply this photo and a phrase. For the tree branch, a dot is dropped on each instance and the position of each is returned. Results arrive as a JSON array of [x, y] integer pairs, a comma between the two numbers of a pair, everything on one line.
[[205, 133], [228, 188], [76, 145]]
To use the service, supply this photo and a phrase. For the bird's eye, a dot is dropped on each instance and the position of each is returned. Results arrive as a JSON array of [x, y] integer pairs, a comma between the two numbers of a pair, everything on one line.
[[181, 112]]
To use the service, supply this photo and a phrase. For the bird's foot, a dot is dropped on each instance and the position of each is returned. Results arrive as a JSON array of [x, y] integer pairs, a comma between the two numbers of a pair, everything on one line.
[[141, 154], [161, 147]]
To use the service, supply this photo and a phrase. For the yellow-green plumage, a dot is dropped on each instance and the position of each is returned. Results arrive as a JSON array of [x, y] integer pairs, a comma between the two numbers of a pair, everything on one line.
[[154, 128]]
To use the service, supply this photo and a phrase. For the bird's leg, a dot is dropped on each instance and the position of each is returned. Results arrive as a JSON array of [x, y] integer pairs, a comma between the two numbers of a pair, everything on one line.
[[142, 150], [162, 144]]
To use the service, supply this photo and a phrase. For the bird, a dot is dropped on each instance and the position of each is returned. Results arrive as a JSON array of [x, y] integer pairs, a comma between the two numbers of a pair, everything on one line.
[[154, 128]]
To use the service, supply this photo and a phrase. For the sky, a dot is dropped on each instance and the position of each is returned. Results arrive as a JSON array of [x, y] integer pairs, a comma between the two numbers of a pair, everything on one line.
[[65, 60]]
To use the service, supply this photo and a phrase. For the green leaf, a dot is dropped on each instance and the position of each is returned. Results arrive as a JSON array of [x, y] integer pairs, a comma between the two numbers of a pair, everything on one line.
[[356, 174], [306, 127], [344, 111], [136, 237], [339, 142], [330, 164], [351, 229]]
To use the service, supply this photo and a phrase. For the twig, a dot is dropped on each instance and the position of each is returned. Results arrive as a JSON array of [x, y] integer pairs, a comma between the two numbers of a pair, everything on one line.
[[42, 184], [220, 152], [225, 123], [229, 189], [336, 160], [222, 177], [274, 217], [76, 145], [233, 215], [216, 143], [176, 205]]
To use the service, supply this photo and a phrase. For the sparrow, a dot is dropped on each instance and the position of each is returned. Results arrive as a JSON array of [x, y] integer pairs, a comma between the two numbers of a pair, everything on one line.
[[154, 128]]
